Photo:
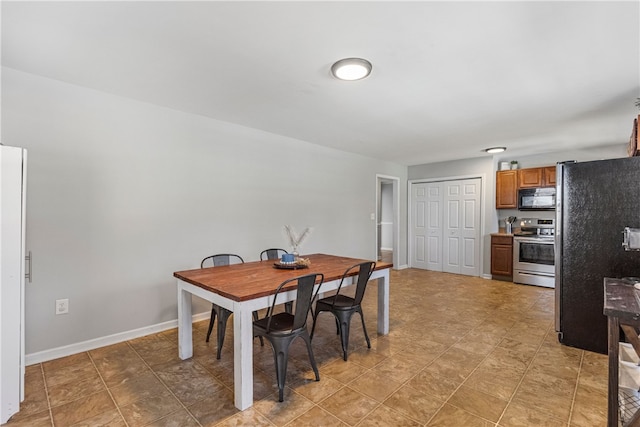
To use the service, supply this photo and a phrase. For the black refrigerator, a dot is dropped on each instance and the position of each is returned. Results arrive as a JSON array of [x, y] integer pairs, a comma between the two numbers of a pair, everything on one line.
[[595, 202]]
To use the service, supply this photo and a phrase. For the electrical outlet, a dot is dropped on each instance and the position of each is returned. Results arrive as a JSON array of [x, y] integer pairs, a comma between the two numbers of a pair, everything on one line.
[[62, 306]]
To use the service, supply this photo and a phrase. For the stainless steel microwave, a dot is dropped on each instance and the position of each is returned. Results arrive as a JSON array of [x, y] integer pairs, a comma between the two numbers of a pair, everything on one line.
[[537, 199]]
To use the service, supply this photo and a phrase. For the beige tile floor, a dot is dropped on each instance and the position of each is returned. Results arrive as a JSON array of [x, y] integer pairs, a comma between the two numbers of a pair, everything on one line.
[[462, 351]]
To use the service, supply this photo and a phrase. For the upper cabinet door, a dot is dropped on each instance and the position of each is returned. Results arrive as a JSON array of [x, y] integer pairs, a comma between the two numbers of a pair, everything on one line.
[[507, 189], [530, 178], [550, 176]]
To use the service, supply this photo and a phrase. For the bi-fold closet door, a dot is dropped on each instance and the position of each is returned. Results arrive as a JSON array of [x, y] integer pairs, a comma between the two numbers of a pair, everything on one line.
[[445, 226], [12, 278]]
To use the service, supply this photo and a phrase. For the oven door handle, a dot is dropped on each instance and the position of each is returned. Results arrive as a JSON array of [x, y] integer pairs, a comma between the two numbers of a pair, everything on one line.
[[539, 241]]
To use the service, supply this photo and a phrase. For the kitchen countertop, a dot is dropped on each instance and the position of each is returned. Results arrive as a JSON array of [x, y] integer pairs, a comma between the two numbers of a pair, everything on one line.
[[621, 299], [502, 232], [623, 311]]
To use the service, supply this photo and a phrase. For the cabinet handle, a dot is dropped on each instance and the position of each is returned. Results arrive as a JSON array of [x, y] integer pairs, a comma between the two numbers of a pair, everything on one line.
[[29, 259]]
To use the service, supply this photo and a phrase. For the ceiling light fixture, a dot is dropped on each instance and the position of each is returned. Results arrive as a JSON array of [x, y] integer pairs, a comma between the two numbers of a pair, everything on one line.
[[351, 69], [494, 150]]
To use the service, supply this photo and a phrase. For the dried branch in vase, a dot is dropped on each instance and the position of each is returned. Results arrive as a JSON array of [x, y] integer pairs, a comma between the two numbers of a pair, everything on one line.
[[294, 239]]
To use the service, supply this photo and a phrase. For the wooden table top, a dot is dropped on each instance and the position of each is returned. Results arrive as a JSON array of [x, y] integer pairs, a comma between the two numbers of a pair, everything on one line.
[[242, 282]]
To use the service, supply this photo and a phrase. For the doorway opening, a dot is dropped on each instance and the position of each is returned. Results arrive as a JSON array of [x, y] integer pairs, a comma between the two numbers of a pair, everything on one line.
[[387, 219]]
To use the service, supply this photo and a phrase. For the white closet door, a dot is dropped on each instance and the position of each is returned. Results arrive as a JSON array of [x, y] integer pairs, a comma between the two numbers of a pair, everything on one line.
[[12, 233], [461, 246], [426, 220], [419, 208]]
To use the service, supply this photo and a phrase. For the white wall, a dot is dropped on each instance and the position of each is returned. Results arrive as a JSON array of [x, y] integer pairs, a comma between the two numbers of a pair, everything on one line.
[[123, 193]]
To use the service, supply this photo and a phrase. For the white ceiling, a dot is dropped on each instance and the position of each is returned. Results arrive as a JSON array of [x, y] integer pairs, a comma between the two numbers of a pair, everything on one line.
[[449, 78]]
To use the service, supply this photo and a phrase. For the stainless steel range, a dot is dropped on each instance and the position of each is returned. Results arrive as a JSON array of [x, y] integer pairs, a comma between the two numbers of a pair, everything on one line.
[[533, 252]]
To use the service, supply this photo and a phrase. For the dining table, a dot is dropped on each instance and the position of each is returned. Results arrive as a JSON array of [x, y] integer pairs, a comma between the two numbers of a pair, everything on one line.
[[244, 288]]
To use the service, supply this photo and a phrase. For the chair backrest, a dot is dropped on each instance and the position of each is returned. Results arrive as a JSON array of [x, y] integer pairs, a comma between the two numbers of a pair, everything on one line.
[[365, 269], [221, 259], [304, 297], [273, 253]]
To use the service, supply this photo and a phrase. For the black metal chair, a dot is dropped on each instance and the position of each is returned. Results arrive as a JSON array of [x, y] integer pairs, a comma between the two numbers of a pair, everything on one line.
[[282, 328], [272, 253], [276, 253], [343, 306], [222, 313]]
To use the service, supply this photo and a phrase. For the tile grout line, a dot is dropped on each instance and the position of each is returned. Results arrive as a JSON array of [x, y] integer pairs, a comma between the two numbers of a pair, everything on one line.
[[165, 385], [46, 392], [406, 383], [229, 388], [524, 375], [575, 390], [342, 387], [346, 385], [468, 376], [485, 358], [107, 388]]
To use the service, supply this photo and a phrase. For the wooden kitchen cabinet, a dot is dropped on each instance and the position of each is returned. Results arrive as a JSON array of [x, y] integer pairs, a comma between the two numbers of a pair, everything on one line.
[[530, 178], [550, 176], [537, 177], [509, 181], [507, 189], [502, 256]]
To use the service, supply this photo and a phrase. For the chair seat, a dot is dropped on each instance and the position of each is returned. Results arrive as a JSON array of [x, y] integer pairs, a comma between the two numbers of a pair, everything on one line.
[[280, 329], [343, 307], [280, 323], [341, 302]]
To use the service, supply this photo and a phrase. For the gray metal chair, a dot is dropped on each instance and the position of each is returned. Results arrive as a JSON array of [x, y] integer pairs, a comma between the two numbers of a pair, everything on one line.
[[343, 306], [276, 253], [272, 253], [282, 328], [222, 313]]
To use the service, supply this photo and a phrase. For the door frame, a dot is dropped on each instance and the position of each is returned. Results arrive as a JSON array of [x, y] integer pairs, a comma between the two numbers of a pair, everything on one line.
[[483, 193], [388, 179]]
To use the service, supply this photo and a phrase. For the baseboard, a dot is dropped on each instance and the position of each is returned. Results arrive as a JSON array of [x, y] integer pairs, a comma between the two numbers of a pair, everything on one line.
[[487, 276], [68, 350], [402, 267]]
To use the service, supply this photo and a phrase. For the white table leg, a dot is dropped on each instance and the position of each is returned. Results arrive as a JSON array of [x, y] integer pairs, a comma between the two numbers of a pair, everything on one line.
[[185, 319], [243, 356], [383, 303]]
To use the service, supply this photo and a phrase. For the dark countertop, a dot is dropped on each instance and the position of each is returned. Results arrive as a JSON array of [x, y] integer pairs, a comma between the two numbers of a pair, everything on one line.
[[621, 300]]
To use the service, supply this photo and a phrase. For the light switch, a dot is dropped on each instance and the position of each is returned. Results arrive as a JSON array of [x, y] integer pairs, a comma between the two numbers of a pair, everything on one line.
[[373, 217]]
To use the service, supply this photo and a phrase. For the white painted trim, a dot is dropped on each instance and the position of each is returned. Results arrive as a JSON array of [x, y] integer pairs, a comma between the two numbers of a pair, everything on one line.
[[396, 217], [487, 276], [68, 350]]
